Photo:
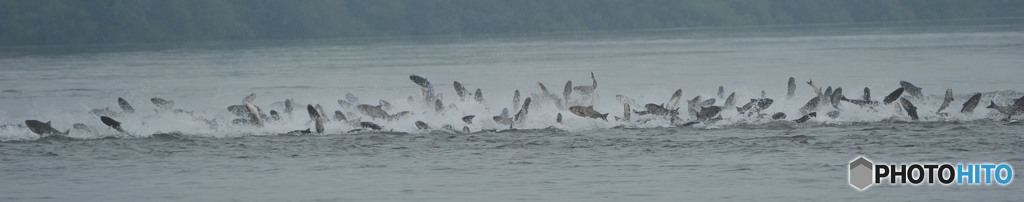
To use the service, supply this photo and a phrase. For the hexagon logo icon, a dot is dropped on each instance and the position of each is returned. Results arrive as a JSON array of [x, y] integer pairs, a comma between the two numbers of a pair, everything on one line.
[[860, 173]]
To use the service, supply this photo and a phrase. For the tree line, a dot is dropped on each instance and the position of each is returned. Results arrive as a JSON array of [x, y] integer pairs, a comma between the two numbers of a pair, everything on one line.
[[63, 22]]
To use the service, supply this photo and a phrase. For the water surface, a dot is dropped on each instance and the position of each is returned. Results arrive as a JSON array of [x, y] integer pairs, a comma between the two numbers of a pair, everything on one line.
[[738, 158]]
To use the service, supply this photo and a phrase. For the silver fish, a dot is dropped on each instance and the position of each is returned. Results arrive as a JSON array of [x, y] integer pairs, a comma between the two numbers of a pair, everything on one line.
[[587, 112], [125, 107], [946, 100], [971, 103], [791, 88]]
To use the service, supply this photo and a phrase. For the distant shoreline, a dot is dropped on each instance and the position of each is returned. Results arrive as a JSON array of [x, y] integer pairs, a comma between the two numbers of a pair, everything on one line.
[[823, 29], [34, 23]]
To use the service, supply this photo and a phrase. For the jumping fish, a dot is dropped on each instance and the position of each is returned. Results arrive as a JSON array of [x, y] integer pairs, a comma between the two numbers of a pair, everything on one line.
[[893, 96], [274, 115], [1019, 103], [79, 127], [807, 117], [427, 90], [910, 108], [674, 100], [399, 115], [162, 103], [104, 112], [778, 115], [791, 88], [422, 126], [298, 132], [816, 89], [811, 106], [693, 105], [587, 112], [521, 115], [238, 110], [438, 106], [832, 114], [320, 110], [112, 123], [515, 100], [1009, 111], [345, 104], [503, 120], [756, 105], [625, 113], [730, 101], [370, 125], [543, 89], [865, 99], [355, 100], [253, 112], [827, 97], [38, 127], [461, 91], [478, 96], [837, 96], [709, 113], [867, 94], [721, 92], [567, 91], [317, 117], [911, 89], [374, 112], [289, 106], [587, 90], [504, 112], [125, 107], [658, 110], [971, 103], [945, 100], [708, 102]]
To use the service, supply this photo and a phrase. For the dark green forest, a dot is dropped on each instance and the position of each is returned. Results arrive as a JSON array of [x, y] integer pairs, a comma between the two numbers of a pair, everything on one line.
[[63, 22]]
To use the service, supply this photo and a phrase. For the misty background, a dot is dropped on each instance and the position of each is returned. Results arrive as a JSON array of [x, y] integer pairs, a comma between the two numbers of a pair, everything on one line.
[[73, 22]]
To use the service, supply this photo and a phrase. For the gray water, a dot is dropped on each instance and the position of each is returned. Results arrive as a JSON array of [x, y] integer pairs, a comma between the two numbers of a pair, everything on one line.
[[737, 158]]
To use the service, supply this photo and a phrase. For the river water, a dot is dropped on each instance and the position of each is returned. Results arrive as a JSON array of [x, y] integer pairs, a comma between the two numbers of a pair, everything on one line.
[[202, 156]]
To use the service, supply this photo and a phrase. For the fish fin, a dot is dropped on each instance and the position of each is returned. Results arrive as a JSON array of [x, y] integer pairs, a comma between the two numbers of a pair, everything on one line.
[[605, 116]]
